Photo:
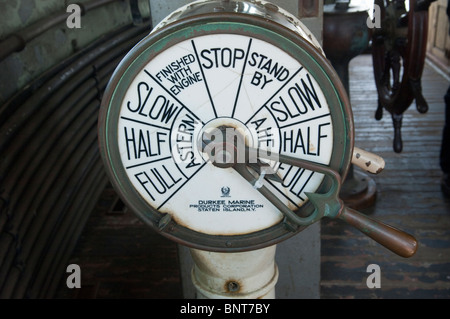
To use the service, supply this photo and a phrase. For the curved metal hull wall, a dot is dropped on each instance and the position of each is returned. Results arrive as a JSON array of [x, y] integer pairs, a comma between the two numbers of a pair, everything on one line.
[[51, 173]]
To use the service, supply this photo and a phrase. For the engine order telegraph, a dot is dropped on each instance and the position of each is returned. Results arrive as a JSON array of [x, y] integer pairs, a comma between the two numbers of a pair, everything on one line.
[[227, 129]]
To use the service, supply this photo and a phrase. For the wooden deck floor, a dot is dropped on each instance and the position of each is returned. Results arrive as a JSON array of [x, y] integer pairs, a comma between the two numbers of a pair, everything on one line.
[[122, 259], [408, 197]]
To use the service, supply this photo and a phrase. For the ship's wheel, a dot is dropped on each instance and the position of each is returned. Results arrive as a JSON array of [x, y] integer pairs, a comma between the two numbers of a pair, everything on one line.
[[398, 51]]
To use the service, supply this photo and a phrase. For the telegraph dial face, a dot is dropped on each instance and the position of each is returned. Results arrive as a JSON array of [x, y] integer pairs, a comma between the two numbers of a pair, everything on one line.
[[251, 76]]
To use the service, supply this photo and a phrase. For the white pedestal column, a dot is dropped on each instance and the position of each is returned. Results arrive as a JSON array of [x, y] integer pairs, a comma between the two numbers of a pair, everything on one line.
[[244, 275]]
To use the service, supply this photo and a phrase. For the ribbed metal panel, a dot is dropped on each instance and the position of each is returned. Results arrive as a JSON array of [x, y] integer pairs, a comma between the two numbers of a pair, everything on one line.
[[51, 174]]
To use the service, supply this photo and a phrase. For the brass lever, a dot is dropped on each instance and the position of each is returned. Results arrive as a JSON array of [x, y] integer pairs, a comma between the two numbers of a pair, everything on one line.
[[329, 205], [326, 205], [397, 241]]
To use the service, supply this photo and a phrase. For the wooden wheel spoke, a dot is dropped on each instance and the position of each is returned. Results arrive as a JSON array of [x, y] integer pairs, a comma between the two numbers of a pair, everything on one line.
[[398, 54]]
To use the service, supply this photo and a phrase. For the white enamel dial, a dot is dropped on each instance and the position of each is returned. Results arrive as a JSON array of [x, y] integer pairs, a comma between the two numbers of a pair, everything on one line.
[[206, 81]]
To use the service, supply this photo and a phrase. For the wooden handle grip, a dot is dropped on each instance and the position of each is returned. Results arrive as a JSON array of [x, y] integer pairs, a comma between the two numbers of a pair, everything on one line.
[[395, 240], [369, 162]]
